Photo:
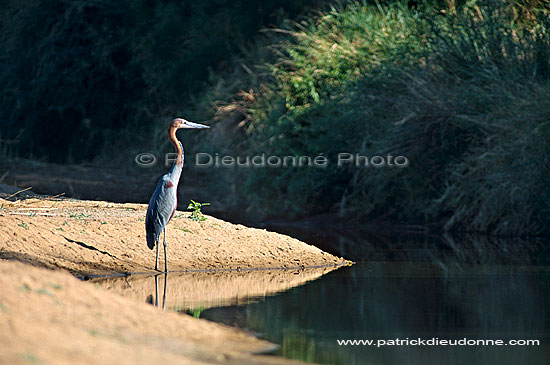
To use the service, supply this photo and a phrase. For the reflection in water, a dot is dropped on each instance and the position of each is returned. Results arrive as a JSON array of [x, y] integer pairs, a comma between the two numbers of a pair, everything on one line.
[[425, 287], [155, 301], [359, 246], [199, 290], [447, 295], [157, 291]]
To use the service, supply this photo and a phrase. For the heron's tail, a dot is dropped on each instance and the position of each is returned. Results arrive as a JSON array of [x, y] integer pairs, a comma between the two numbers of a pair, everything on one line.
[[151, 240]]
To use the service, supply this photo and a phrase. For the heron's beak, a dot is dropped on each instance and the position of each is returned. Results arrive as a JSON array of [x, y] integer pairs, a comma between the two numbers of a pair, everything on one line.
[[188, 124]]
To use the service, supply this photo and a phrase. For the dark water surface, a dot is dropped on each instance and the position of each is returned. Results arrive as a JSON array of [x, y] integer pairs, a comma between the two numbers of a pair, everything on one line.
[[411, 288]]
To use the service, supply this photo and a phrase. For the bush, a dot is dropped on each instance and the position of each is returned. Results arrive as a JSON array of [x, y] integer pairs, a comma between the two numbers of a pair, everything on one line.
[[462, 94], [78, 75], [66, 78]]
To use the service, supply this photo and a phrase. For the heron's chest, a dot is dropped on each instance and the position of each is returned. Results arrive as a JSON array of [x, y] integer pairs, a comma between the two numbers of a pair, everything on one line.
[[170, 191]]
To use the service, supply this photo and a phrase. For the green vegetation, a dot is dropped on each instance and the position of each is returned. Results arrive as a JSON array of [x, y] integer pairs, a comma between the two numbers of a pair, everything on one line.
[[44, 291], [24, 225], [75, 74], [195, 312], [31, 358], [25, 288], [55, 286], [196, 214], [463, 93], [79, 216], [460, 88]]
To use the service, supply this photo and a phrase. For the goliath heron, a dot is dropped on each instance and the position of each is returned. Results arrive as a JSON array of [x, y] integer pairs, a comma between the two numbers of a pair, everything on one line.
[[164, 200]]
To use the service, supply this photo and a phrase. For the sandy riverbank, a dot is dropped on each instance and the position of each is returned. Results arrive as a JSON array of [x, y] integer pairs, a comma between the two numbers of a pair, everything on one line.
[[49, 316]]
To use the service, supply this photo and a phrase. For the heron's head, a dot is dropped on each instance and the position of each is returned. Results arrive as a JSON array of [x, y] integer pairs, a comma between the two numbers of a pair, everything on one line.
[[182, 123]]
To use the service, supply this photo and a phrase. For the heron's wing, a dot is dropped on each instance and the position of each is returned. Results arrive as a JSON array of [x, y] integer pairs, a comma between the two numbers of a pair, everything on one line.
[[161, 207]]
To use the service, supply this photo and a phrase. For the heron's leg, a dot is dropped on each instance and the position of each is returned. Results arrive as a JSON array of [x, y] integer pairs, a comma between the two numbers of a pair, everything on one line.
[[157, 259], [165, 258], [164, 295], [157, 290]]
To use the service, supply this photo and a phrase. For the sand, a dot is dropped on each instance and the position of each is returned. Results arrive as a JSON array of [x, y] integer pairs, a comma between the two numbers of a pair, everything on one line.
[[47, 315]]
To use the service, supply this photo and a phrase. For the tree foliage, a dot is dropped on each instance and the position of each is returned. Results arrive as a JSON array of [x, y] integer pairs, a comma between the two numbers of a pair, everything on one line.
[[74, 73]]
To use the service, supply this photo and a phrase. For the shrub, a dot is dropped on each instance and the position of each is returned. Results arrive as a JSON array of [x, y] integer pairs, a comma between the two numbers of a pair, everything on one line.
[[462, 94]]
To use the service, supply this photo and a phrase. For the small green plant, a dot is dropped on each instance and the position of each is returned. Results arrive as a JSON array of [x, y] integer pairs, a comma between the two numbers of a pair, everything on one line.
[[79, 216], [184, 229], [25, 288], [54, 285], [29, 357], [24, 225], [195, 312], [196, 214], [4, 308], [44, 291]]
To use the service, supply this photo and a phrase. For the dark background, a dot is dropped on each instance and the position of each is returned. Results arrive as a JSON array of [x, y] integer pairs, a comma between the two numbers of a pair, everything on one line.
[[460, 88]]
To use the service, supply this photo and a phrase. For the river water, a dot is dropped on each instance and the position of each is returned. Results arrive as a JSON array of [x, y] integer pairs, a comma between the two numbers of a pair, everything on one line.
[[421, 289], [405, 293]]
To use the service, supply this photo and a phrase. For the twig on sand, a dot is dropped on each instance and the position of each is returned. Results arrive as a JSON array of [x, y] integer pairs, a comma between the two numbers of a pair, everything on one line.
[[34, 213], [45, 199], [53, 197], [20, 191]]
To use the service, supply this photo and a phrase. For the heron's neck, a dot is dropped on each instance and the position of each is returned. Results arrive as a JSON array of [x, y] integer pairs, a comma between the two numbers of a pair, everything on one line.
[[177, 146]]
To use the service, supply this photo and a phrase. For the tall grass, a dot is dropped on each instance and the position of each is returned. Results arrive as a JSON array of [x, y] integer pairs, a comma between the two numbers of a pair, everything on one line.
[[462, 93]]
